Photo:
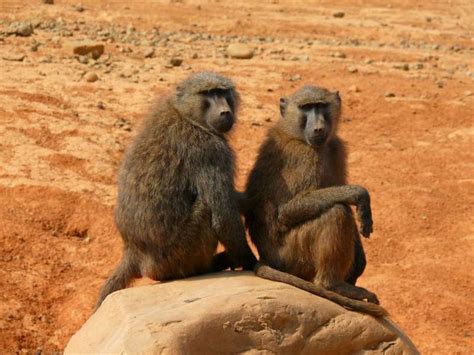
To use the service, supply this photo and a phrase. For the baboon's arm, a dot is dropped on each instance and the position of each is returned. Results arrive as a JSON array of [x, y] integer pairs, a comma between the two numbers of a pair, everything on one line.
[[310, 204], [216, 189]]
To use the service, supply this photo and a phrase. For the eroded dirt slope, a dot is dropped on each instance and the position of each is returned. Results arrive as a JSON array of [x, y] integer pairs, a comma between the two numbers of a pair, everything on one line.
[[405, 73]]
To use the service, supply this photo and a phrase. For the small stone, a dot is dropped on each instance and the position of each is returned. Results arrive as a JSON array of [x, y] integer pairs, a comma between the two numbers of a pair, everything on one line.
[[440, 84], [354, 88], [240, 51], [12, 57], [149, 52], [418, 66], [352, 70], [368, 61], [339, 55], [339, 14], [91, 77], [83, 59], [295, 77], [100, 105], [34, 47], [389, 94], [49, 2], [22, 29], [46, 59], [79, 8], [194, 56], [86, 48], [467, 93], [222, 62], [176, 62], [403, 66]]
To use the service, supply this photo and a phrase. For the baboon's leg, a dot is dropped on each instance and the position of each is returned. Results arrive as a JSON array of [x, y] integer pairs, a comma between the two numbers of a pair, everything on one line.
[[189, 253], [120, 278], [334, 253], [359, 263]]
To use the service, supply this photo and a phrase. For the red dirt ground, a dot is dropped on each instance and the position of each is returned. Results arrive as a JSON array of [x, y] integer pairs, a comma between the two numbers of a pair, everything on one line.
[[59, 150]]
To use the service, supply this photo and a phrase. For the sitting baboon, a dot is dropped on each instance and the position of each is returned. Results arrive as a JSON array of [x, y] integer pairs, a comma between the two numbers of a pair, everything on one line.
[[176, 196], [297, 204]]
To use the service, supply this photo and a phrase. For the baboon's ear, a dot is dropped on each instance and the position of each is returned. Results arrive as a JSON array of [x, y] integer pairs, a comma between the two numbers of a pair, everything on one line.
[[283, 105]]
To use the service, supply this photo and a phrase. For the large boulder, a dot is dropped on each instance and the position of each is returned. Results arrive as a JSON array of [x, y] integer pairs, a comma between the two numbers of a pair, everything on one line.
[[230, 313]]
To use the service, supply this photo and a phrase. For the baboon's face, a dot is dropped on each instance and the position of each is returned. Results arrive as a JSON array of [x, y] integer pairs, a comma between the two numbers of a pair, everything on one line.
[[218, 107], [311, 122]]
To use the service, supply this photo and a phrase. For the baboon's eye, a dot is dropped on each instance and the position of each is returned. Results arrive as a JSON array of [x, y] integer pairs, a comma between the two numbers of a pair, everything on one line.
[[307, 107]]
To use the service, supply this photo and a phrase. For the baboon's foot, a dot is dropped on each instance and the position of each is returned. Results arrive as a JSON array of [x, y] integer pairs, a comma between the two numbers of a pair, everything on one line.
[[355, 292]]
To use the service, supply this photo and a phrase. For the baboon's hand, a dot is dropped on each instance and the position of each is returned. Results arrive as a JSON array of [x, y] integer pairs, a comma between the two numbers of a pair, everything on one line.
[[364, 213]]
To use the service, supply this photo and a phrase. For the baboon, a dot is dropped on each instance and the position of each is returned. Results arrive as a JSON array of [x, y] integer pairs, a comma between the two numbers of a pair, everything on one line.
[[297, 204], [176, 195]]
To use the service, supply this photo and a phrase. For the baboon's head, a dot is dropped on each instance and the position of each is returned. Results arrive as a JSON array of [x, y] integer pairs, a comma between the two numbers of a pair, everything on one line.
[[311, 114], [208, 99]]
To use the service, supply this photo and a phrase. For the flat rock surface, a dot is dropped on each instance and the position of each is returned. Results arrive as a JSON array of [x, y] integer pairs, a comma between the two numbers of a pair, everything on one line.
[[231, 312]]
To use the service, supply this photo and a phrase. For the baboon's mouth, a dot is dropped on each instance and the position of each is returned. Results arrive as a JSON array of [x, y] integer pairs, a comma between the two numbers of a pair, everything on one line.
[[317, 141]]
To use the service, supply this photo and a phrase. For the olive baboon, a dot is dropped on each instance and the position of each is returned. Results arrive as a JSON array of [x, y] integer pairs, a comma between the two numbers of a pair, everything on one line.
[[176, 196], [297, 204]]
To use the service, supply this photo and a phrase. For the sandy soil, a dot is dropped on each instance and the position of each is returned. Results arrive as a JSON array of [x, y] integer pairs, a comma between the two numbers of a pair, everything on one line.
[[61, 141]]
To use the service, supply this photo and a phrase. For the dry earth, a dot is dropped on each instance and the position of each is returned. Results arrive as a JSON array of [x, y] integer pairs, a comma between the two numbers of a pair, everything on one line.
[[405, 72]]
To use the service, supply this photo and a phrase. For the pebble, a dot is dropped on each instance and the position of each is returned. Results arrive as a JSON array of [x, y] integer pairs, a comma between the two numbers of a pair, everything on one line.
[[14, 57], [222, 62], [21, 29], [403, 66], [149, 52], [389, 94], [352, 70], [339, 55], [91, 77], [49, 2], [176, 62], [79, 8], [467, 93], [295, 77], [85, 48], [354, 88], [339, 14], [440, 84], [100, 105], [240, 51]]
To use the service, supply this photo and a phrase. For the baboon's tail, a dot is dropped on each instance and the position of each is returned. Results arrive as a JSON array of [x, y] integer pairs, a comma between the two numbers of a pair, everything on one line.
[[269, 273], [119, 279]]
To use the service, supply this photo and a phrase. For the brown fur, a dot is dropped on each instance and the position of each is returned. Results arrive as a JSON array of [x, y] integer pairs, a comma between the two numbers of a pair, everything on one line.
[[176, 196], [297, 207]]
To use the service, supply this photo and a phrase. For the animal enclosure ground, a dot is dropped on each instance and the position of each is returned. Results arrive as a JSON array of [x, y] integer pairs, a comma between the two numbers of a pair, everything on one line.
[[405, 73]]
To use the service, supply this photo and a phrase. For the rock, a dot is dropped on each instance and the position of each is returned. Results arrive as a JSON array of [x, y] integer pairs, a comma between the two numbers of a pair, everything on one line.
[[176, 62], [352, 69], [22, 29], [50, 2], [93, 49], [295, 77], [354, 88], [389, 94], [149, 52], [12, 57], [468, 93], [339, 14], [90, 77], [79, 8], [339, 55], [240, 51], [231, 313], [403, 66]]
